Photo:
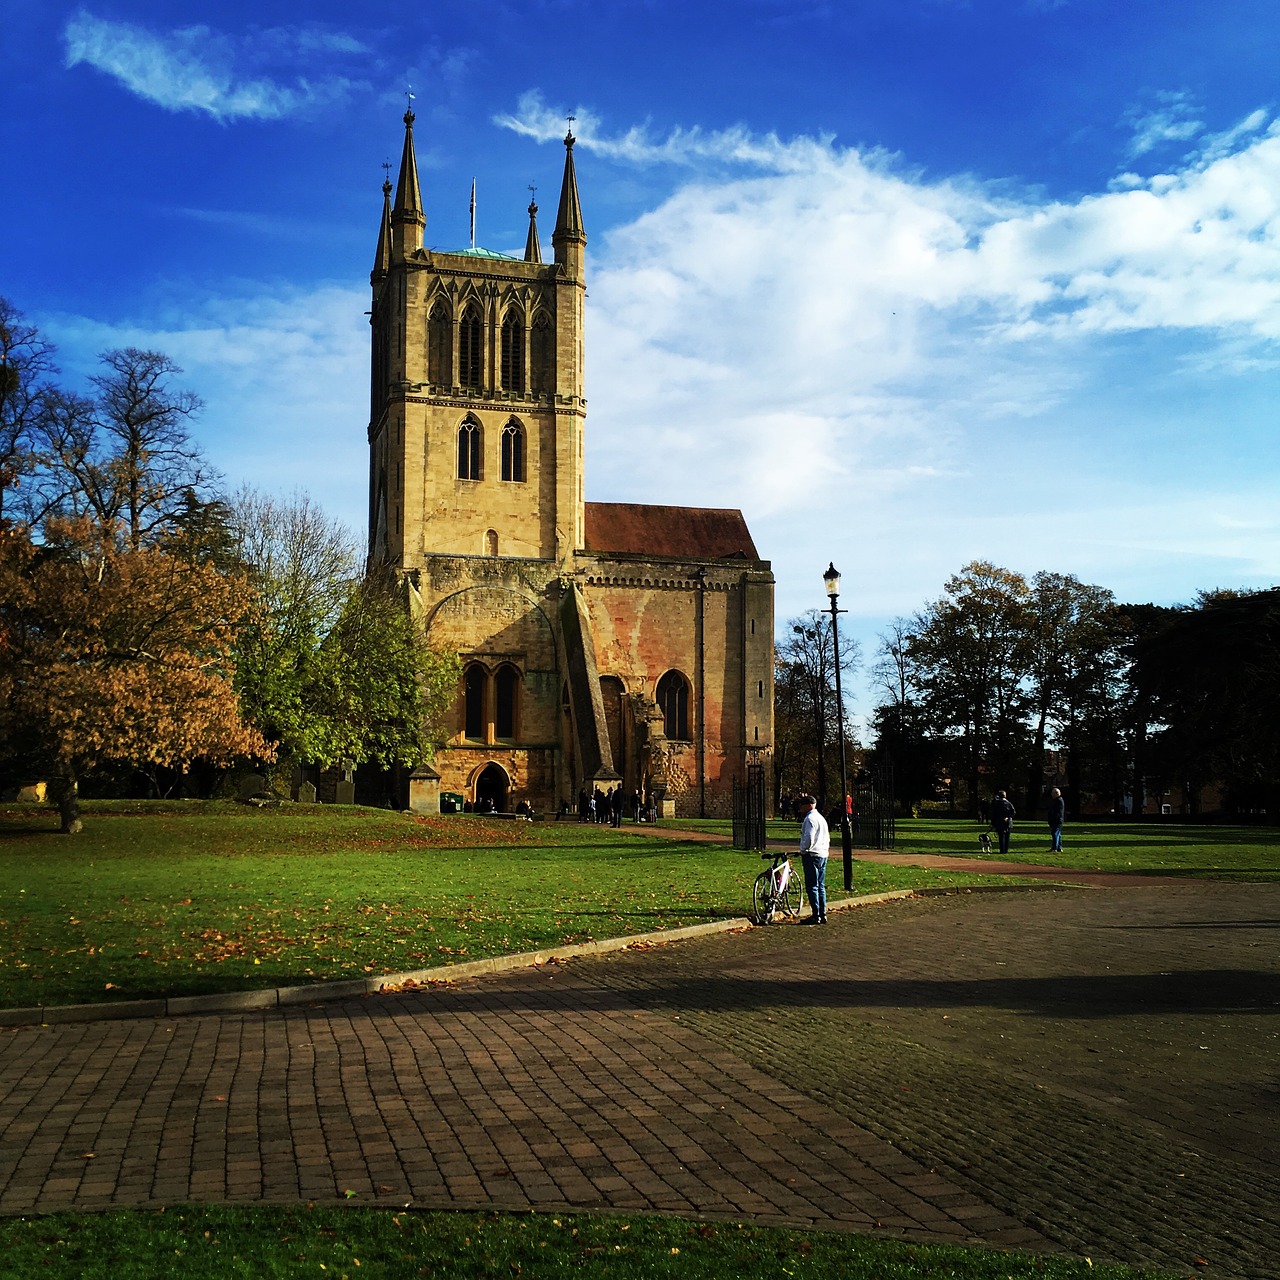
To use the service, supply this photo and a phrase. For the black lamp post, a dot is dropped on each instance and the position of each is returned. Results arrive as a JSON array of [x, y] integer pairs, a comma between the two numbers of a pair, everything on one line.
[[831, 580]]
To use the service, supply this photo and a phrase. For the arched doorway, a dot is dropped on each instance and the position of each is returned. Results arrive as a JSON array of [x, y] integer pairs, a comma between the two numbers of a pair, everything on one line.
[[491, 785]]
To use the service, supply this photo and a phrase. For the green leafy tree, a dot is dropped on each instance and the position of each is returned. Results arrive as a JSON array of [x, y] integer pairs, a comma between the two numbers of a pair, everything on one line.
[[970, 657], [1210, 682], [331, 667], [384, 689], [1073, 668]]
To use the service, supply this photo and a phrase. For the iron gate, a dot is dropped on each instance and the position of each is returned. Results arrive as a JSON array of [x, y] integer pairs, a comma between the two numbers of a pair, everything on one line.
[[873, 824], [748, 810]]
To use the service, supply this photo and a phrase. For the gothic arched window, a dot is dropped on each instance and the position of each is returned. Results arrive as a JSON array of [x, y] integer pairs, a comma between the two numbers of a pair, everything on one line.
[[439, 346], [673, 698], [542, 355], [506, 688], [513, 451], [513, 352], [474, 683], [470, 354], [470, 453]]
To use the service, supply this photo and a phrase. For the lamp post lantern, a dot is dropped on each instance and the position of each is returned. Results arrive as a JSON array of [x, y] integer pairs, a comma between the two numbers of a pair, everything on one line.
[[831, 581]]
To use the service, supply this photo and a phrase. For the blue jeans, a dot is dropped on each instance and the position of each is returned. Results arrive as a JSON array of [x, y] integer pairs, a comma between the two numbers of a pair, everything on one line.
[[1055, 837], [815, 883]]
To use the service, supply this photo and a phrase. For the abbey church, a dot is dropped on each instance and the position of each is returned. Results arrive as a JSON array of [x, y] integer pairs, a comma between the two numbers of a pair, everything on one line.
[[603, 644]]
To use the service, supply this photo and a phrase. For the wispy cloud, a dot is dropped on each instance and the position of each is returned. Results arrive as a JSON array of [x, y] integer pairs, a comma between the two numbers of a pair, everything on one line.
[[1173, 119], [829, 340], [533, 118], [198, 69]]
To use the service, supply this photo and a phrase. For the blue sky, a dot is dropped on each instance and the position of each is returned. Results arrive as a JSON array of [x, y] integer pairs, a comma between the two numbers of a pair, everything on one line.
[[911, 282]]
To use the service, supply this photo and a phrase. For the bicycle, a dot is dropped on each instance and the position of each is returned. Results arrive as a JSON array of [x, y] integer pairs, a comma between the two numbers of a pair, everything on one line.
[[776, 889]]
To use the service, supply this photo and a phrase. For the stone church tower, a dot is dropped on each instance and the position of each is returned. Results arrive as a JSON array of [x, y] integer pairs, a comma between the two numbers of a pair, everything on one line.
[[603, 644]]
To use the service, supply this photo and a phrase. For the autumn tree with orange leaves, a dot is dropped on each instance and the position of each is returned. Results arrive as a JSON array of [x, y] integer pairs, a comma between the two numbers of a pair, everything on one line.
[[112, 654]]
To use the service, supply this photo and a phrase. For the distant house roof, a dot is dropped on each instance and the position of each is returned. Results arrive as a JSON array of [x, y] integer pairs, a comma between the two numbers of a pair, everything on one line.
[[692, 533]]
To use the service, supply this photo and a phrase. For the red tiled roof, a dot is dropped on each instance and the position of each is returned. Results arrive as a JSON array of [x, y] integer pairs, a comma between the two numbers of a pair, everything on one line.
[[692, 533]]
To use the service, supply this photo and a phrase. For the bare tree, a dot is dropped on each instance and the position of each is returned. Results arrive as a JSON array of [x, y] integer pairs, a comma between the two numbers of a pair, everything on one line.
[[151, 461], [806, 714], [26, 362]]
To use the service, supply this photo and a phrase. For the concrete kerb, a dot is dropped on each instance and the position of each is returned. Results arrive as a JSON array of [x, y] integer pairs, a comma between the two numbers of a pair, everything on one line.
[[352, 988]]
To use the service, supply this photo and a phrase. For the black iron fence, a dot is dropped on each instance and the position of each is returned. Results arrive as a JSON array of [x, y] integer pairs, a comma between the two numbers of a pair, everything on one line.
[[873, 821], [748, 810]]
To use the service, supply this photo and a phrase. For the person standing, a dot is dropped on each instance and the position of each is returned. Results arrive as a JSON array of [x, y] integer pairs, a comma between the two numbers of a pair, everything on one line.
[[1057, 816], [815, 848], [1002, 816]]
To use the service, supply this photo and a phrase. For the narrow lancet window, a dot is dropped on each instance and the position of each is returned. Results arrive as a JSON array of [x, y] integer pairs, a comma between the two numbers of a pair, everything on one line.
[[474, 683], [506, 698], [513, 451], [673, 699], [470, 436]]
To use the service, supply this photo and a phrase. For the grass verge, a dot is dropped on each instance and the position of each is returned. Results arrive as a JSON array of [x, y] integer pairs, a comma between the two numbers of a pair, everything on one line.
[[1166, 849], [1145, 848], [346, 1244], [183, 898]]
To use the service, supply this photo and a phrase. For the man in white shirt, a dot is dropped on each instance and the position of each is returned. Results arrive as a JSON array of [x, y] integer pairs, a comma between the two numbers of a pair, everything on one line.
[[815, 848]]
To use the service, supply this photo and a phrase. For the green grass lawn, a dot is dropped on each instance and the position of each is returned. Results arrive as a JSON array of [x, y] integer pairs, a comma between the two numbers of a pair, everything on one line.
[[184, 898], [1153, 848], [360, 1244]]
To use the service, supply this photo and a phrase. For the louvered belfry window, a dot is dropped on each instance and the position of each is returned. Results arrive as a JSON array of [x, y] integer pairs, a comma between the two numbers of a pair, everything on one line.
[[470, 354], [513, 353]]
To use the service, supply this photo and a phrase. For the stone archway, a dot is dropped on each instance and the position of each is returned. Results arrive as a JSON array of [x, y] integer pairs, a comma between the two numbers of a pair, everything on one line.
[[493, 784]]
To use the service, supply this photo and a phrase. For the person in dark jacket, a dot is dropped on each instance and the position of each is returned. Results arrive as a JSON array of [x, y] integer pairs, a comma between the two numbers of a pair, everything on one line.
[[1057, 815], [1002, 816]]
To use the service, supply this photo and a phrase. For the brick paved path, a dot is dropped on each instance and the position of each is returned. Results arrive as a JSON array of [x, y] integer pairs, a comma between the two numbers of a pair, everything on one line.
[[1018, 1069]]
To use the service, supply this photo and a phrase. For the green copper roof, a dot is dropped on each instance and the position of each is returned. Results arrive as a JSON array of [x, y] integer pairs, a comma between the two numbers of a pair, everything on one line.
[[483, 253]]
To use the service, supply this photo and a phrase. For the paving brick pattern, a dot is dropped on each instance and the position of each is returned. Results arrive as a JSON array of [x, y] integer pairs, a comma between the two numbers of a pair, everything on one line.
[[535, 1089], [1019, 1069], [1102, 1066]]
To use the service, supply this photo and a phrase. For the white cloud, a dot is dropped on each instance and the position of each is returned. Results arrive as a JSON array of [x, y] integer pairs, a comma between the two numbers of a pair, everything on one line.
[[894, 374], [856, 356], [1172, 120], [284, 378], [196, 69], [532, 118]]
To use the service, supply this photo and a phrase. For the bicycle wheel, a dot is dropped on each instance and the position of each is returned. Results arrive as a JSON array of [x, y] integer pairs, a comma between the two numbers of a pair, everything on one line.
[[793, 895], [763, 899]]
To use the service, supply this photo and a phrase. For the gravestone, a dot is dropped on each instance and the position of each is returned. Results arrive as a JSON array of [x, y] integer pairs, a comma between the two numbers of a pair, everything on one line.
[[307, 793], [424, 790], [251, 784], [345, 792]]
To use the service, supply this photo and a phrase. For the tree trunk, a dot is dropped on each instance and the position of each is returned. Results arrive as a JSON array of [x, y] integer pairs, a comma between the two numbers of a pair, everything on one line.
[[1035, 770], [67, 791]]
